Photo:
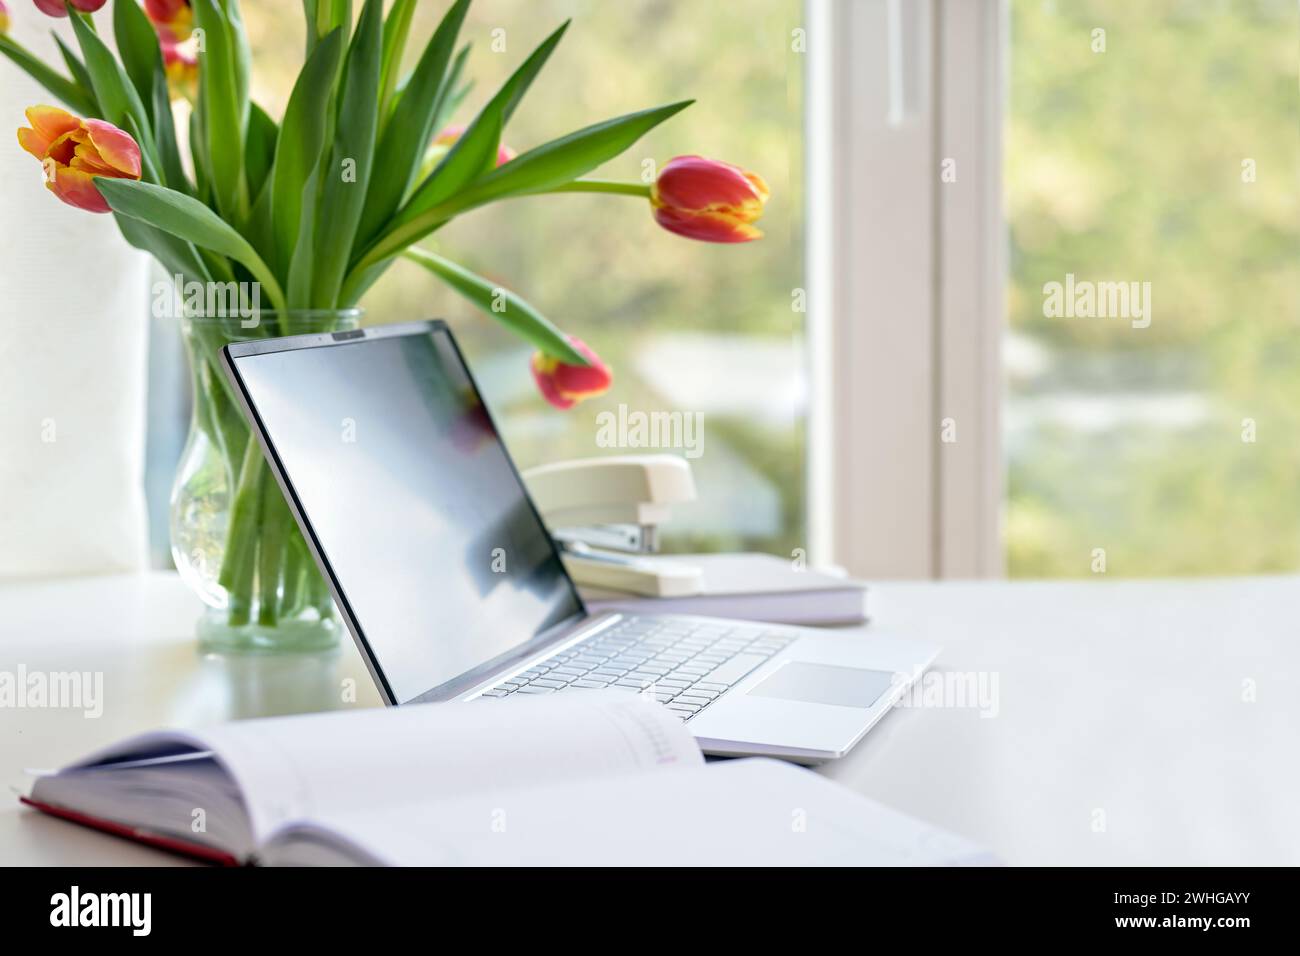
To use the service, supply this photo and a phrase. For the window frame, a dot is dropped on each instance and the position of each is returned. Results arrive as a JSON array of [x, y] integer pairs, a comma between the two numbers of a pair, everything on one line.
[[906, 477]]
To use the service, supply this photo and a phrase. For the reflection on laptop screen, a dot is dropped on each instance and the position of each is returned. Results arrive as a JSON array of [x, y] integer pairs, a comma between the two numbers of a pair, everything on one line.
[[415, 504]]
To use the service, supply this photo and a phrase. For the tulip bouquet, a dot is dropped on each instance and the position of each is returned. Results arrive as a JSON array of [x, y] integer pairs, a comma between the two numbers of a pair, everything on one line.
[[309, 211]]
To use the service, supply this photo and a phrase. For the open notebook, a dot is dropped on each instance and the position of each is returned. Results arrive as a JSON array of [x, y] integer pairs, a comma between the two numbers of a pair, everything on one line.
[[595, 779]]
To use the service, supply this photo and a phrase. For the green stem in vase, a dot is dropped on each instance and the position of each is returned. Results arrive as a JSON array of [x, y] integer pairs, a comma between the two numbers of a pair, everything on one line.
[[321, 599], [294, 579], [212, 388], [205, 412], [239, 561], [227, 427], [271, 553], [210, 340]]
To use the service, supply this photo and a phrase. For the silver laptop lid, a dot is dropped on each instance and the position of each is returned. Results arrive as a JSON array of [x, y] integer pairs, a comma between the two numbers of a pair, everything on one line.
[[416, 514]]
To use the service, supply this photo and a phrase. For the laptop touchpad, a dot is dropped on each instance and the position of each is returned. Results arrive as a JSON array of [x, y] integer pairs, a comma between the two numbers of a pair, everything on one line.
[[825, 684]]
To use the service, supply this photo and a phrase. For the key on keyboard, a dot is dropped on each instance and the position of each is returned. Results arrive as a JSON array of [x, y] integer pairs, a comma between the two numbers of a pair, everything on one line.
[[683, 665]]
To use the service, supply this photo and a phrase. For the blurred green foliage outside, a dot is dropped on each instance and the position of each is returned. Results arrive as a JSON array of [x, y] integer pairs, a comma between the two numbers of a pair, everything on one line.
[[1169, 158]]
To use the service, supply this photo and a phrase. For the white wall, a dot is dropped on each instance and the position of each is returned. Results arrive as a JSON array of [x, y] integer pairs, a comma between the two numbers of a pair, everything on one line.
[[74, 309]]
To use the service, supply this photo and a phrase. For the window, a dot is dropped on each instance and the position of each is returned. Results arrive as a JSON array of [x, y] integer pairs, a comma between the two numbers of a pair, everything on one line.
[[1060, 301]]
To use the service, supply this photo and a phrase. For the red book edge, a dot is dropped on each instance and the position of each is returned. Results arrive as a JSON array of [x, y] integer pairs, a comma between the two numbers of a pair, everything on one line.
[[196, 851]]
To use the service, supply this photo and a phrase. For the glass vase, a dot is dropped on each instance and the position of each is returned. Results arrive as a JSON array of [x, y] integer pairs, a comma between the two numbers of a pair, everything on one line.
[[233, 538]]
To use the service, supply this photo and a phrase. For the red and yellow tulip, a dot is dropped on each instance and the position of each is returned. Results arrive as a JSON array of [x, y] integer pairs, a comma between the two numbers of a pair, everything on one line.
[[74, 151], [181, 62], [709, 200], [564, 385], [173, 20], [55, 8], [4, 18]]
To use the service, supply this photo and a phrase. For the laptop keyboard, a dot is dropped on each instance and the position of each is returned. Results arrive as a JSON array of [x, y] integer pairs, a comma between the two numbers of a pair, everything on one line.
[[682, 664]]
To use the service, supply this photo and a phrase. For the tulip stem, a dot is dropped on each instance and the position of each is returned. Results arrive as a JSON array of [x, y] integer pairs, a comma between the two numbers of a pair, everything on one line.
[[641, 190]]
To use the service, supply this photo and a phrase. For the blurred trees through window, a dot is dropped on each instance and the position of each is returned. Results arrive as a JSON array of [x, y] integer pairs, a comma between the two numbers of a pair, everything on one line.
[[1154, 142]]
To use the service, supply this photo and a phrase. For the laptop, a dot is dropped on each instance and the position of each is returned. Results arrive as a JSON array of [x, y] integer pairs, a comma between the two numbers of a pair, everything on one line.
[[453, 589]]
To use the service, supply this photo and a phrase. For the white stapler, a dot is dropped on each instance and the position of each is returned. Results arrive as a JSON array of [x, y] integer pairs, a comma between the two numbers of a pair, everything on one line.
[[605, 514]]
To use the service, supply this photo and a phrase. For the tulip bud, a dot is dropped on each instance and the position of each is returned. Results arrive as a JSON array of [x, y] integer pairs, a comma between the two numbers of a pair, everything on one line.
[[4, 18], [173, 20], [708, 200], [181, 63], [55, 8], [564, 385], [74, 151]]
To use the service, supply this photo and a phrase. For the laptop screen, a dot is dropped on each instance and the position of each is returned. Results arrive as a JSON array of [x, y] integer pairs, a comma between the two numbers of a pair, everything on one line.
[[413, 499]]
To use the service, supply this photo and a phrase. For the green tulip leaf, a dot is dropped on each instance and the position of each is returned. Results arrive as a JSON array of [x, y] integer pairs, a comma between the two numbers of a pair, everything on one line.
[[137, 45], [454, 92], [476, 151], [77, 98], [76, 69], [188, 219], [538, 170], [501, 304], [345, 181], [309, 14], [302, 258], [116, 94], [176, 255], [164, 131], [259, 150], [199, 154], [301, 143], [331, 15], [223, 109], [397, 27], [565, 159], [402, 145]]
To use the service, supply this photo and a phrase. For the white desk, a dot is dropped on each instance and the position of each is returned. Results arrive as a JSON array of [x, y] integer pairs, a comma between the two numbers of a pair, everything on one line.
[[1119, 703]]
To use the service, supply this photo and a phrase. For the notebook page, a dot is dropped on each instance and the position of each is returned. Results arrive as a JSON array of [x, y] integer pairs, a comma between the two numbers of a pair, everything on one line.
[[301, 767], [753, 812]]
